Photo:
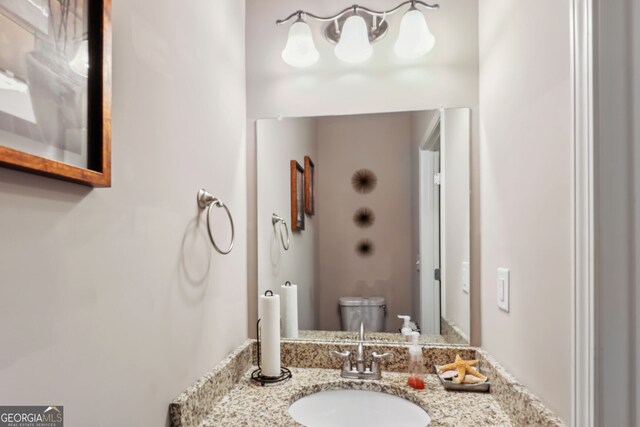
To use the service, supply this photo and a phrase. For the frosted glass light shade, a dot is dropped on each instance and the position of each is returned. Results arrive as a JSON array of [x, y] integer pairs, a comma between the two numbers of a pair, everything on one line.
[[414, 39], [300, 50], [354, 45], [80, 62]]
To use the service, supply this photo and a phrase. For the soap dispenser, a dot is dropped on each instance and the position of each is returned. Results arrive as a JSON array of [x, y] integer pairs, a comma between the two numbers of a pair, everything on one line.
[[415, 363], [406, 328]]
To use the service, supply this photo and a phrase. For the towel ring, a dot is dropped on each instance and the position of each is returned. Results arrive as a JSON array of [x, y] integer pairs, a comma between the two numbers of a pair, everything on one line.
[[278, 219], [206, 200]]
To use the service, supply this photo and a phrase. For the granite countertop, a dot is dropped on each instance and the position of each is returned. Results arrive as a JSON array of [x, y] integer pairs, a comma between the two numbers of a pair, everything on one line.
[[391, 337], [225, 396], [248, 403]]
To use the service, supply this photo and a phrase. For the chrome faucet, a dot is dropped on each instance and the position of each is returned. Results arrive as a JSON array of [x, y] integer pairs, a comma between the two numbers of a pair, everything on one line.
[[360, 371], [360, 365]]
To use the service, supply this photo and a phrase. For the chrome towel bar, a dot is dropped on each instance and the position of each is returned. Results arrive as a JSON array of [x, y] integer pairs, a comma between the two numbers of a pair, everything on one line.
[[283, 224], [208, 201]]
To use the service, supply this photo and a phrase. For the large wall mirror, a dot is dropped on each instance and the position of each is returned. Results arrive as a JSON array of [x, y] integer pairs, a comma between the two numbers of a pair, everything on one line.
[[386, 206]]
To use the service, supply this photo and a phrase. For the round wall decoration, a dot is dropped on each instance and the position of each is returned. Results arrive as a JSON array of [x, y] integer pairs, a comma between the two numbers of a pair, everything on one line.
[[364, 181], [364, 217], [365, 248]]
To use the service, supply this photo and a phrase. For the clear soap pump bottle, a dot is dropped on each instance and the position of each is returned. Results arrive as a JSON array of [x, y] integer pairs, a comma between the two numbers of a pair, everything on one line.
[[415, 362], [406, 328]]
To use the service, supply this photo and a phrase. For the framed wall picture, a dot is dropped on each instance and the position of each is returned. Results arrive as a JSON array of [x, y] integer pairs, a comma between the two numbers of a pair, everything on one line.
[[55, 88], [309, 186], [297, 196]]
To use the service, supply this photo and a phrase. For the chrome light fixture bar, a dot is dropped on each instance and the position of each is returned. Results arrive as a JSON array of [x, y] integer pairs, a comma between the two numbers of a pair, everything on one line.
[[354, 29]]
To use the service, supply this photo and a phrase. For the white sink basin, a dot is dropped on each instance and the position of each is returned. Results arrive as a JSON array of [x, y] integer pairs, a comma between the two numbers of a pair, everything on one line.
[[357, 408]]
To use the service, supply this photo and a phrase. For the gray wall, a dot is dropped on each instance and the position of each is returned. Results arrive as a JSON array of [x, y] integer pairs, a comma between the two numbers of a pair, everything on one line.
[[112, 301], [617, 204]]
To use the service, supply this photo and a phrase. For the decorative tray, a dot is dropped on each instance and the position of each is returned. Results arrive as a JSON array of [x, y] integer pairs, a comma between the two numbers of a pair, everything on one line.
[[448, 384]]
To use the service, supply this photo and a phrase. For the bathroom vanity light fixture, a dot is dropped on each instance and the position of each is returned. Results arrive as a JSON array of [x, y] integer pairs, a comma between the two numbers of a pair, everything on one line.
[[300, 50], [354, 29]]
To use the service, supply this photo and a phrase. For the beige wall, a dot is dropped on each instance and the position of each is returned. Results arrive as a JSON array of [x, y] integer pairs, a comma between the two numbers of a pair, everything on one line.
[[447, 77], [279, 142], [112, 301], [381, 143], [526, 191]]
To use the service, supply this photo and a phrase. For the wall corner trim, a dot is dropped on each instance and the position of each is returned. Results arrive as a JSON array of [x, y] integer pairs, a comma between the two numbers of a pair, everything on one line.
[[583, 289]]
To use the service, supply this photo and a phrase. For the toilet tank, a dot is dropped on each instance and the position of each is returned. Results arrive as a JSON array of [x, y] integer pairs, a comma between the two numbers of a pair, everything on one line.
[[370, 310]]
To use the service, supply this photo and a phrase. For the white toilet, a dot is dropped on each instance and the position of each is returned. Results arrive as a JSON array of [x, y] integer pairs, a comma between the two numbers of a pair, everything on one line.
[[370, 310]]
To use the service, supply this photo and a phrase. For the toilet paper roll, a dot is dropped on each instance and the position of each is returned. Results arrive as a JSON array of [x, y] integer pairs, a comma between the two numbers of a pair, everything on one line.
[[289, 294], [269, 306]]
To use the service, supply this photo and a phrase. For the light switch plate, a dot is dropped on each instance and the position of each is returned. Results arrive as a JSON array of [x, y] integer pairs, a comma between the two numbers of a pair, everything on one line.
[[466, 277], [503, 289]]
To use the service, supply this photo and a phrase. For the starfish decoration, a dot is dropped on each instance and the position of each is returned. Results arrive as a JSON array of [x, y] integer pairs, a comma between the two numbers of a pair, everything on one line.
[[464, 368]]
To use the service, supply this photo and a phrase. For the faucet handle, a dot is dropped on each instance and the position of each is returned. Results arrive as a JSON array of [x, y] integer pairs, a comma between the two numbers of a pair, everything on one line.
[[346, 365], [377, 357]]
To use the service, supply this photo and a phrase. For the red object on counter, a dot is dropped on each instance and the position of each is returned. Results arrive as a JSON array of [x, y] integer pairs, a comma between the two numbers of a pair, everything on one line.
[[416, 383]]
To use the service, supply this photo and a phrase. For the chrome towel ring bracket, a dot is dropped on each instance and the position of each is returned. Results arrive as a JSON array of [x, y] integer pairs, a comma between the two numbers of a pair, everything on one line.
[[283, 224], [208, 201]]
